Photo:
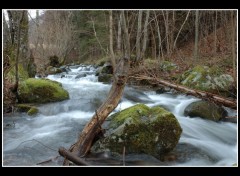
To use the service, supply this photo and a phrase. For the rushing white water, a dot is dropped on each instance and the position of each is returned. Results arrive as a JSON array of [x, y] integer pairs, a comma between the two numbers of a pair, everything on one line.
[[30, 140]]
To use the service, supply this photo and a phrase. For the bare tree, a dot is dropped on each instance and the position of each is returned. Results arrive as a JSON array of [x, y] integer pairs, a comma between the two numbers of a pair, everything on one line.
[[113, 60], [160, 50], [175, 41], [196, 35], [119, 36], [53, 36], [233, 45], [145, 34], [138, 38]]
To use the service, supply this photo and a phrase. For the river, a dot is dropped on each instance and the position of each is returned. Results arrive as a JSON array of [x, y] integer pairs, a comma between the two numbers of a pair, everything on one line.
[[28, 141]]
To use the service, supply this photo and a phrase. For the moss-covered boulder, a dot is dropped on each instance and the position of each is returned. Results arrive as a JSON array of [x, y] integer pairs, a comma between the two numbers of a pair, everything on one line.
[[205, 110], [141, 129], [29, 109], [207, 79], [41, 91], [105, 78]]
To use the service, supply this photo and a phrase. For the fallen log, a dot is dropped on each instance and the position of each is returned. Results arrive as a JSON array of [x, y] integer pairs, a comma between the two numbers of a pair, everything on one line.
[[197, 93], [72, 157]]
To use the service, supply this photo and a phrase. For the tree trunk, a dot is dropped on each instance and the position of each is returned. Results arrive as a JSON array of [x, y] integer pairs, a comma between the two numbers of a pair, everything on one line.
[[138, 39], [119, 38], [233, 46], [160, 50], [126, 37], [111, 41], [196, 37], [145, 36], [174, 45], [197, 93], [215, 35], [166, 31], [154, 48]]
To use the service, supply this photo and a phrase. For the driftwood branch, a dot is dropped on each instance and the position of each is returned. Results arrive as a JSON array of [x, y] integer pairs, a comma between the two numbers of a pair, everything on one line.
[[72, 157], [197, 93]]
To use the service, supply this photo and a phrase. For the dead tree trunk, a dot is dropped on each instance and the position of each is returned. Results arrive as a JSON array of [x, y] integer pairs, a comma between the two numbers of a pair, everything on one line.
[[93, 128], [197, 93]]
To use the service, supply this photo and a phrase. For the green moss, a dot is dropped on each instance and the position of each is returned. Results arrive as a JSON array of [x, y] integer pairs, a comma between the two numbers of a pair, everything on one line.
[[32, 111], [133, 112], [41, 91]]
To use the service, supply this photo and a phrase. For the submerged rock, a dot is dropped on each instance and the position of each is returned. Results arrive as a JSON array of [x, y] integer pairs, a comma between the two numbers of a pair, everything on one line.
[[30, 109], [141, 129], [81, 75], [205, 110], [41, 91]]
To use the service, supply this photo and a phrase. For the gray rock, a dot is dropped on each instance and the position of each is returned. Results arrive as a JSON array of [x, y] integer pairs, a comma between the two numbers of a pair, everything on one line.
[[205, 110], [81, 75]]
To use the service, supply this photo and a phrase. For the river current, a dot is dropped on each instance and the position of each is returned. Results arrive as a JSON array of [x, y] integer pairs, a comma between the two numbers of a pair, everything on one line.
[[28, 141]]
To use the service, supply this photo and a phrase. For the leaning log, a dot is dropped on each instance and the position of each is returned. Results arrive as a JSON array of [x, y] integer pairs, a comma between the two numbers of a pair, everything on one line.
[[197, 93], [93, 128]]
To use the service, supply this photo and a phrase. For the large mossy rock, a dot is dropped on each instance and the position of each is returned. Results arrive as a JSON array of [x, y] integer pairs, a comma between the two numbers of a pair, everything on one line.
[[207, 79], [205, 110], [141, 129], [41, 91]]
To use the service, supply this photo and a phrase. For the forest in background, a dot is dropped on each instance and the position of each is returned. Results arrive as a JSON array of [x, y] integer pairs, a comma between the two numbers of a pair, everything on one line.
[[184, 37]]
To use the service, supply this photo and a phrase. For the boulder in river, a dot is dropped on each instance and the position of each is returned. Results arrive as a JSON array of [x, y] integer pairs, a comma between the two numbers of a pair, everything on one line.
[[105, 78], [41, 91], [205, 110], [141, 129]]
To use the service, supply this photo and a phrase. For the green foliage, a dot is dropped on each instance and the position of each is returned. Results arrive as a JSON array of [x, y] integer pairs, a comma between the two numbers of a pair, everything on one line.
[[41, 91]]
